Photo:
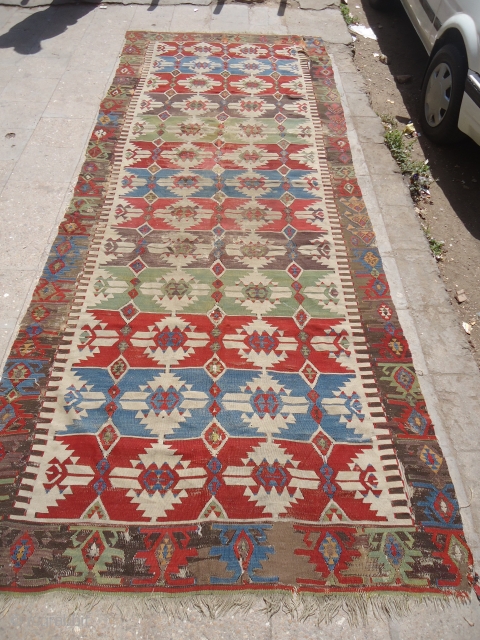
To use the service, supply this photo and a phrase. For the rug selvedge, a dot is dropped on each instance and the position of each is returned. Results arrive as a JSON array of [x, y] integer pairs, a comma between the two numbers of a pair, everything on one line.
[[320, 536]]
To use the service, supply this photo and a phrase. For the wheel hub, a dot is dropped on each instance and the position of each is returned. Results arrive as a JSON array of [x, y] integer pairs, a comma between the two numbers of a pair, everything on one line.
[[438, 93]]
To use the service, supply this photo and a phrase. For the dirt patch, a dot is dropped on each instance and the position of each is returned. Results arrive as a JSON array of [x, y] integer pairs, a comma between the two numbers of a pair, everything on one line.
[[452, 212]]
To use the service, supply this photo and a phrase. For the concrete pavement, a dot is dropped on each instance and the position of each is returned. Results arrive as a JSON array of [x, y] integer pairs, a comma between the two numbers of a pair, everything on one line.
[[56, 64]]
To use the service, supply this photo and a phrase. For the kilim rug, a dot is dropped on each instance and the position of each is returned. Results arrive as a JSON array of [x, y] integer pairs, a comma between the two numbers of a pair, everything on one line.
[[210, 398]]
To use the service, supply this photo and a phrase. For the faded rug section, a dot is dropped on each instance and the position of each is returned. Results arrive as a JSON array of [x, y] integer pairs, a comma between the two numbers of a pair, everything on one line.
[[211, 392]]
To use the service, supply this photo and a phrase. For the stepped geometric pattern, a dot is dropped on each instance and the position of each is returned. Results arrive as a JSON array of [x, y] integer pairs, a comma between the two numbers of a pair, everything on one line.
[[211, 390]]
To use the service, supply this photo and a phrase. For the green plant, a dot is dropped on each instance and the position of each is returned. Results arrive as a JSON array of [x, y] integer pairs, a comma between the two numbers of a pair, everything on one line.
[[347, 16], [436, 246], [419, 171], [387, 119], [400, 151]]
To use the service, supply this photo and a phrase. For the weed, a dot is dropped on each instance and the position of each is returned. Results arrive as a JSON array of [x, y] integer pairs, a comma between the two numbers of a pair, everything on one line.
[[347, 16], [401, 151], [387, 119], [419, 172], [436, 246]]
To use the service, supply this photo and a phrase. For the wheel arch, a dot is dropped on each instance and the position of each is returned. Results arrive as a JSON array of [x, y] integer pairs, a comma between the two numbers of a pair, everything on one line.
[[460, 30], [451, 35]]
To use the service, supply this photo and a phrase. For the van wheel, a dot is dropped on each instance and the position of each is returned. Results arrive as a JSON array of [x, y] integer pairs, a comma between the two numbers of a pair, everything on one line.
[[442, 95]]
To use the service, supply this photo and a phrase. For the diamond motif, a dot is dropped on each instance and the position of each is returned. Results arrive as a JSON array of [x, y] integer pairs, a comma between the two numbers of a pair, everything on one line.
[[218, 231], [444, 507], [20, 551], [150, 197], [129, 311], [215, 367], [108, 437], [217, 268], [137, 266], [294, 270], [301, 317], [309, 373], [110, 408], [219, 197], [431, 458], [214, 408], [289, 231], [322, 442], [214, 437], [92, 550], [287, 199], [113, 391], [216, 315], [145, 229]]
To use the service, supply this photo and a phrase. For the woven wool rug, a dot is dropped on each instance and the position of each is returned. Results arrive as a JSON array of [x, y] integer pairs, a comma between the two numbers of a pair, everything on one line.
[[210, 398]]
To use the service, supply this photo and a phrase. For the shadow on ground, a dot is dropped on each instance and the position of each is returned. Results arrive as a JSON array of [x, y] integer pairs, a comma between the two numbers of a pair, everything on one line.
[[27, 36], [398, 40]]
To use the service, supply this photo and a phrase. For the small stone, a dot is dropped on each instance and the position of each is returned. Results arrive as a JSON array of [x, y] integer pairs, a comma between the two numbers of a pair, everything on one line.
[[403, 79], [461, 297], [383, 58], [467, 327]]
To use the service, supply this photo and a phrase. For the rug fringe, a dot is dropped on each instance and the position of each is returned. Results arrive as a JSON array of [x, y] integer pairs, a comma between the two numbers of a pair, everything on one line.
[[357, 607]]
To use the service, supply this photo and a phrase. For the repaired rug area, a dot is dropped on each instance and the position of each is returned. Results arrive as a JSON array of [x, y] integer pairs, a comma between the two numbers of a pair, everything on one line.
[[211, 395]]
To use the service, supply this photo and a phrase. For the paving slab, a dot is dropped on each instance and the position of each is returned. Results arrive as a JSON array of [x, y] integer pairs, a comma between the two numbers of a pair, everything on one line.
[[5, 171], [453, 623], [40, 24], [13, 143], [461, 418], [444, 349], [284, 628], [12, 291], [327, 24], [50, 165], [48, 621], [17, 90], [391, 193], [399, 221], [24, 237], [264, 20], [232, 18], [186, 19], [156, 19]]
